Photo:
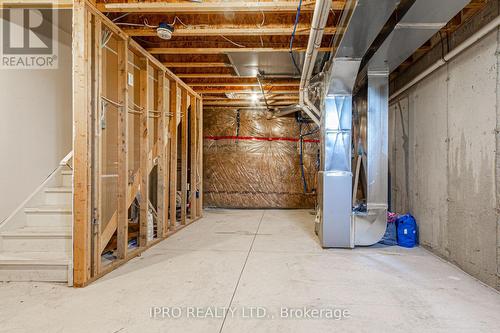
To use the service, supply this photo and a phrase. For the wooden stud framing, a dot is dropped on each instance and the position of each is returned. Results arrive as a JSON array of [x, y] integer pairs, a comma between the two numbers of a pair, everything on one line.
[[96, 158], [184, 156], [166, 149], [122, 208], [193, 142], [81, 147], [90, 239], [144, 152], [199, 132], [161, 222], [173, 155]]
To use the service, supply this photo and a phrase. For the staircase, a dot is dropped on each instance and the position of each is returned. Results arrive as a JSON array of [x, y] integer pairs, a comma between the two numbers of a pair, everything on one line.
[[36, 240]]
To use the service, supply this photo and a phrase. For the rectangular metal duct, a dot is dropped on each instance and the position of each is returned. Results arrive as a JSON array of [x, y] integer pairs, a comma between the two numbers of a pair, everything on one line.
[[420, 23], [363, 19], [362, 27], [277, 64]]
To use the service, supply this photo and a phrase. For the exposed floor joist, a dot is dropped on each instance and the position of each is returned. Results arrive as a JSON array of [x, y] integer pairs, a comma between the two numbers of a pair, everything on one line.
[[225, 31], [245, 91], [221, 50], [196, 64], [206, 32], [224, 84], [211, 7]]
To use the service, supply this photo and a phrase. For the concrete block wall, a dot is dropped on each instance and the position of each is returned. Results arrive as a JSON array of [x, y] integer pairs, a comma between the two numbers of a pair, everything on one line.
[[444, 163]]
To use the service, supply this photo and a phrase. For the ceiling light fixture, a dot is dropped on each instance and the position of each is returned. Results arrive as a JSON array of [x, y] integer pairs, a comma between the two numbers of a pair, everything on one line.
[[165, 31]]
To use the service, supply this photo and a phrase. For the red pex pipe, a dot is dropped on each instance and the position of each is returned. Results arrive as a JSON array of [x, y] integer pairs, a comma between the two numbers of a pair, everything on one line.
[[254, 138]]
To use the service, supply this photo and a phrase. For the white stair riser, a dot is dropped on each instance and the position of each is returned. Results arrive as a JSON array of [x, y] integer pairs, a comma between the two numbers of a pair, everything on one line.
[[67, 180], [33, 272], [58, 198], [48, 220], [33, 244]]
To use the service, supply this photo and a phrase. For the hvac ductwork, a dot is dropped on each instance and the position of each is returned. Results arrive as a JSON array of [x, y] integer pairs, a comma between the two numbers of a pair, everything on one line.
[[339, 226], [363, 21]]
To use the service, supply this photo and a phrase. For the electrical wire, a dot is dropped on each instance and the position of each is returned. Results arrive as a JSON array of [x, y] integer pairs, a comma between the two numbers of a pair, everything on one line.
[[106, 37], [297, 16], [234, 43], [263, 92], [120, 17], [301, 159], [177, 19], [263, 19], [301, 142]]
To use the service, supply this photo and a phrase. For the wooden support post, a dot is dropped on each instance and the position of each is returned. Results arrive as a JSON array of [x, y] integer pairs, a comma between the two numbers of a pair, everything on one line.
[[184, 154], [81, 137], [161, 225], [122, 208], [173, 154], [193, 185], [144, 151], [199, 120]]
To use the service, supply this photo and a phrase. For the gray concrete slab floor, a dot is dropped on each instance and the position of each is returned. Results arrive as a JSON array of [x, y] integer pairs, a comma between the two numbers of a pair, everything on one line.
[[260, 271]]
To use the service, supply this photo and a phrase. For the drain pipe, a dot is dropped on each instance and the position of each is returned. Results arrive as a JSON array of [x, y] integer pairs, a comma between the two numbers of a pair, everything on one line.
[[320, 17]]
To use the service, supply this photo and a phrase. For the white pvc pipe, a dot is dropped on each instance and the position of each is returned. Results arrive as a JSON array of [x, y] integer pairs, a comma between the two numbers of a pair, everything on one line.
[[452, 54], [320, 17]]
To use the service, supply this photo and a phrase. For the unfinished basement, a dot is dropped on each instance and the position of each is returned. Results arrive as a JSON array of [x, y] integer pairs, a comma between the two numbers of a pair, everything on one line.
[[250, 166]]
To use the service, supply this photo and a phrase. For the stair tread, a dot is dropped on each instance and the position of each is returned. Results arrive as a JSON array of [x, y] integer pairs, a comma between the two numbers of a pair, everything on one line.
[[48, 209], [59, 258], [59, 189], [40, 231]]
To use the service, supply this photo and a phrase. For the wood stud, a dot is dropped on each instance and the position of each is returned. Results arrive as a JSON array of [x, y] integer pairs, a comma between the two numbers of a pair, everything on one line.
[[184, 157]]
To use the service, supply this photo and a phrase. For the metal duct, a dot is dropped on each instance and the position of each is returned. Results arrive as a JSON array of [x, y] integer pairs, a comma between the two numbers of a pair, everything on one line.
[[369, 227], [363, 20], [421, 22]]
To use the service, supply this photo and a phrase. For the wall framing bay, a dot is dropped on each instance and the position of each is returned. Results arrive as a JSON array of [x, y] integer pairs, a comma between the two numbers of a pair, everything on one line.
[[125, 139]]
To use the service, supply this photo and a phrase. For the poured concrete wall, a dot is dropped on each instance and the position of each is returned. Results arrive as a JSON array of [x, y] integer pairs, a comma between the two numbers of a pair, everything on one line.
[[443, 142]]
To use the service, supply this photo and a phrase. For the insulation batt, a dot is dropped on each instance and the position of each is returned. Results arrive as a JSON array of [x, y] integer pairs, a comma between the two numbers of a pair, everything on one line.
[[259, 165]]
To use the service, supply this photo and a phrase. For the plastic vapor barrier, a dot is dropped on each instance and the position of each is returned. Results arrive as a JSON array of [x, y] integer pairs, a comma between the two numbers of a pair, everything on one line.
[[254, 162]]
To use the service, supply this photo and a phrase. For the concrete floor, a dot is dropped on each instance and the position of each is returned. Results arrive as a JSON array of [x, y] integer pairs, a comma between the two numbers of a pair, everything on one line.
[[263, 259]]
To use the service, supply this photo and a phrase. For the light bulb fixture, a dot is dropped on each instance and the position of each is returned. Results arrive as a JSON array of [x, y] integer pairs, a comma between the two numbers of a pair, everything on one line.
[[165, 31], [254, 98]]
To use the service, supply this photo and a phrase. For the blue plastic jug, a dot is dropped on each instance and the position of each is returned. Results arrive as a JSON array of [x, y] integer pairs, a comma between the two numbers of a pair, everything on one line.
[[407, 231]]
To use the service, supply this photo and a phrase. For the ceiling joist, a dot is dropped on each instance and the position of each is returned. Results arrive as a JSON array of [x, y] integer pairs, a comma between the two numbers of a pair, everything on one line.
[[221, 50], [196, 64], [226, 31], [223, 84], [243, 91], [212, 7], [259, 97]]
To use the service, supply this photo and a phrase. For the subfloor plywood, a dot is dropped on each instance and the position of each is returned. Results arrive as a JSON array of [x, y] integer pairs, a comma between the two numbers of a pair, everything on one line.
[[260, 258]]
